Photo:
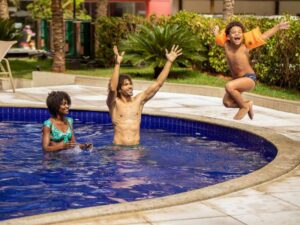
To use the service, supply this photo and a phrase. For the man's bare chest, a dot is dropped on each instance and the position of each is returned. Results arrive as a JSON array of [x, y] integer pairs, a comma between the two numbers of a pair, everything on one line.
[[128, 110]]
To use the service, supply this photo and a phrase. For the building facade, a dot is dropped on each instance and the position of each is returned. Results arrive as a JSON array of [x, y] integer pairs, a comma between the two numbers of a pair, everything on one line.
[[215, 7], [169, 7], [241, 7]]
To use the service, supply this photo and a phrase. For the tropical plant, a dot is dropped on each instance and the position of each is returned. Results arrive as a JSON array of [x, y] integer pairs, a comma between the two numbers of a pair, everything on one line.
[[7, 30], [148, 45]]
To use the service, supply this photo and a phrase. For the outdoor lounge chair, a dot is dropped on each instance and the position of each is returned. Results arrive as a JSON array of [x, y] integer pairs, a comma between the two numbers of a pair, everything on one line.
[[5, 68]]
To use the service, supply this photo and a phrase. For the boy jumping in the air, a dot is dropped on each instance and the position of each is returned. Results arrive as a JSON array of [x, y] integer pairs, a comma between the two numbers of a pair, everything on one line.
[[237, 54]]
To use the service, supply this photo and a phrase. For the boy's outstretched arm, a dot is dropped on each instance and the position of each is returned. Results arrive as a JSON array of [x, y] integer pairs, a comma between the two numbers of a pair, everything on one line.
[[220, 37], [113, 83], [216, 30], [153, 89], [281, 26]]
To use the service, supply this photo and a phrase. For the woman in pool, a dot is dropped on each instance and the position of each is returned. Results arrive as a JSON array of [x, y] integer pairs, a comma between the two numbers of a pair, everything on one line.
[[58, 132]]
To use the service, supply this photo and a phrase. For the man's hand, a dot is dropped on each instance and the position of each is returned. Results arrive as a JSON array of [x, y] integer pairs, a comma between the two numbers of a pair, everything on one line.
[[216, 30], [118, 58], [174, 53], [86, 146], [283, 25]]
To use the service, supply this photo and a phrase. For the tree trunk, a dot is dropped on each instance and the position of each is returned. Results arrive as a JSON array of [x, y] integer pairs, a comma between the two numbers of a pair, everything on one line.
[[228, 7], [58, 35], [4, 9], [102, 8], [101, 11]]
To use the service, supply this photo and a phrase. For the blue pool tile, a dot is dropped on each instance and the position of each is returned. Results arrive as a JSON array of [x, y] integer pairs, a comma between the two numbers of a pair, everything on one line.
[[176, 125]]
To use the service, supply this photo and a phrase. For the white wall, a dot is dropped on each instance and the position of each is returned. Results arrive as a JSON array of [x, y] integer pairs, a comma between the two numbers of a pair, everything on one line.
[[199, 6], [265, 8], [291, 7]]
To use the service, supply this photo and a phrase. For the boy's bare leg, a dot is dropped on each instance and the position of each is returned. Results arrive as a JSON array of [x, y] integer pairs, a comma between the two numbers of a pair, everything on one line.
[[243, 111], [234, 88], [250, 112], [229, 103]]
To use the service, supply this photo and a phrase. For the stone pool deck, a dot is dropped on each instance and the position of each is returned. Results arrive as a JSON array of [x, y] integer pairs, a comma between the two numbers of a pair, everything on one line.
[[268, 196]]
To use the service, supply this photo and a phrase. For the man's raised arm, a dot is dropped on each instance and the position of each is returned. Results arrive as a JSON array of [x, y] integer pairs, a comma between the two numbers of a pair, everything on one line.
[[153, 89], [113, 83]]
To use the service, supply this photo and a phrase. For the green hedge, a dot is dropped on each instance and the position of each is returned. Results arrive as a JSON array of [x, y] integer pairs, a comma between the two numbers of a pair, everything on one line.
[[276, 63], [110, 31]]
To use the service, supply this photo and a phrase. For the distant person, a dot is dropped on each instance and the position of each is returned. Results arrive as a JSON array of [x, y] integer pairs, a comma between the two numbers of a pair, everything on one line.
[[237, 54], [25, 41], [58, 131], [124, 108]]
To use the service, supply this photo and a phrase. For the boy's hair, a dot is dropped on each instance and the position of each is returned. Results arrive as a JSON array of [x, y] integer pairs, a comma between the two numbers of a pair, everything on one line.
[[234, 24], [55, 99], [122, 77]]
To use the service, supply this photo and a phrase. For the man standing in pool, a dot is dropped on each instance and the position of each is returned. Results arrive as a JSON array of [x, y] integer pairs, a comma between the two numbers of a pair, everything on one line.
[[126, 109], [237, 54]]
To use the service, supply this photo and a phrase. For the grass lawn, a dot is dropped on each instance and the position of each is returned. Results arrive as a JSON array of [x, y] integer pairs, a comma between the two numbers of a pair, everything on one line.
[[22, 68]]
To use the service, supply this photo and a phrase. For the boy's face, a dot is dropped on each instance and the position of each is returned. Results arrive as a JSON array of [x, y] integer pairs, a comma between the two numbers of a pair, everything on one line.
[[235, 35], [126, 88]]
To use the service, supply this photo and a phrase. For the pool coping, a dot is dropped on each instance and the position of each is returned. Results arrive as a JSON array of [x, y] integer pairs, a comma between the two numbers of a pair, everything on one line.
[[42, 78], [287, 159]]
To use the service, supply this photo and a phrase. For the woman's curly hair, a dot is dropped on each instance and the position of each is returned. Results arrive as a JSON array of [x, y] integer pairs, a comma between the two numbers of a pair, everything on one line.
[[55, 99]]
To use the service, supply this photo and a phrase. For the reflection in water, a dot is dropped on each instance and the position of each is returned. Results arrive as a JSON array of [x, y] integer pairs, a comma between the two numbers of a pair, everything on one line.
[[127, 162]]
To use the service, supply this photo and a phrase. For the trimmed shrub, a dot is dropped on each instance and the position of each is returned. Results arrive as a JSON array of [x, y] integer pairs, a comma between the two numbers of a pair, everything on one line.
[[110, 32]]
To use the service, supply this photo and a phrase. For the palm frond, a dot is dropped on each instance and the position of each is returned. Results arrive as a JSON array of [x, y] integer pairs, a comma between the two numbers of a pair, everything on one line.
[[148, 44]]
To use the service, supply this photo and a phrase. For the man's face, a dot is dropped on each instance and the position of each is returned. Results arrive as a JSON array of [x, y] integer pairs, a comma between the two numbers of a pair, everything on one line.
[[236, 35], [126, 88]]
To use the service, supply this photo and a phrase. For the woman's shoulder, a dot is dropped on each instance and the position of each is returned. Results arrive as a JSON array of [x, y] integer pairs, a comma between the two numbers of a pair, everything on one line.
[[70, 120], [47, 123]]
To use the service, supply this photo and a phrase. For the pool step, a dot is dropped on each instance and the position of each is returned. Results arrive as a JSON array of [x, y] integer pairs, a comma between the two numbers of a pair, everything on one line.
[[19, 83]]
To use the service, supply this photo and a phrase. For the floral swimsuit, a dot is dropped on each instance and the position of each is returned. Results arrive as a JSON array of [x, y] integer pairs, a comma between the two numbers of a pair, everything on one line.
[[57, 135]]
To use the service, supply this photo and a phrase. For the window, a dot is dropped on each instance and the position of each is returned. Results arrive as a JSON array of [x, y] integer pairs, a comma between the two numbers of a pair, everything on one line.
[[120, 8]]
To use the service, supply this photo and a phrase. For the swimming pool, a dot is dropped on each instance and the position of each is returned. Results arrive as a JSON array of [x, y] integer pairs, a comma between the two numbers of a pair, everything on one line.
[[75, 179]]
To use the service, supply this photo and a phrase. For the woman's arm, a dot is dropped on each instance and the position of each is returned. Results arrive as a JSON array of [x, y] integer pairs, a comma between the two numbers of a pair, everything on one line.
[[49, 147]]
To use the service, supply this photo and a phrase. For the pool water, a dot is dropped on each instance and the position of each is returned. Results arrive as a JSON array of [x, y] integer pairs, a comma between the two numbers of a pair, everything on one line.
[[169, 161]]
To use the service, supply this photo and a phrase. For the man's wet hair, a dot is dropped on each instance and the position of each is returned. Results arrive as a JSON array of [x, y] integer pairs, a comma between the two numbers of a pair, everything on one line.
[[122, 78], [55, 99], [234, 24]]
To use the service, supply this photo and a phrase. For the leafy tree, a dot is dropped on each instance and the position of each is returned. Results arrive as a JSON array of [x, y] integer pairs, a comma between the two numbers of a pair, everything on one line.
[[41, 9], [149, 43]]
